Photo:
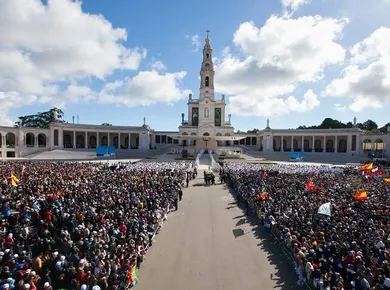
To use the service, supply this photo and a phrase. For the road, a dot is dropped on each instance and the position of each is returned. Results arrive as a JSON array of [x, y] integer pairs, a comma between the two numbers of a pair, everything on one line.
[[209, 244]]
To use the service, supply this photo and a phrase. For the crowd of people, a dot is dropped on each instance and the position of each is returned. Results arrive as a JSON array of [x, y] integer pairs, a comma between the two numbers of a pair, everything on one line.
[[350, 249], [81, 225]]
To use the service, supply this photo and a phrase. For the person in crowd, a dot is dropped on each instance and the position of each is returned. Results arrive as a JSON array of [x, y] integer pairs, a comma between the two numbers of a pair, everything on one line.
[[350, 249], [80, 225]]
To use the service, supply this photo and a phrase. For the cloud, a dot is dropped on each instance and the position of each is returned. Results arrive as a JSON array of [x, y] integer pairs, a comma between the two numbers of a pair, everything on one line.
[[146, 88], [46, 51], [340, 107], [275, 60], [293, 5], [194, 39], [366, 79], [158, 65]]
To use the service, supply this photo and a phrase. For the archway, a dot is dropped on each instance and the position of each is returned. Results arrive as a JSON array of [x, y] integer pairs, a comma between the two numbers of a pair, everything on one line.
[[317, 146], [379, 145], [30, 140], [329, 146], [67, 141], [10, 140], [92, 141], [295, 144], [80, 141], [206, 134], [367, 145], [127, 142], [306, 145], [284, 144], [342, 145], [42, 140], [116, 142], [207, 81], [104, 141]]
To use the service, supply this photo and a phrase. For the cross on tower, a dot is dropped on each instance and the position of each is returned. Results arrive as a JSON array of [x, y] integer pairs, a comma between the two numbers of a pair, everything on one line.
[[207, 31]]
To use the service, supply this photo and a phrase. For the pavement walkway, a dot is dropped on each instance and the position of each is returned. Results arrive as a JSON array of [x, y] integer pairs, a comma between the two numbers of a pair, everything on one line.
[[209, 244]]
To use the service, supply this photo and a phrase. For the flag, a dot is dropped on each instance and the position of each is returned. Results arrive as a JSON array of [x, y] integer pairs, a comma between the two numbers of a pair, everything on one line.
[[14, 180], [324, 209], [262, 196], [387, 179], [367, 167], [377, 171], [310, 185], [361, 195], [133, 275]]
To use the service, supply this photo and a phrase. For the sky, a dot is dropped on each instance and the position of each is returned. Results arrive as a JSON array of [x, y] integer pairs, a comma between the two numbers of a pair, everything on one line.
[[294, 62]]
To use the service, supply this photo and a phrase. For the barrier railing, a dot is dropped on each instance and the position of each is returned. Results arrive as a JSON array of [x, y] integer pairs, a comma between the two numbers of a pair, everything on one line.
[[150, 242], [304, 280]]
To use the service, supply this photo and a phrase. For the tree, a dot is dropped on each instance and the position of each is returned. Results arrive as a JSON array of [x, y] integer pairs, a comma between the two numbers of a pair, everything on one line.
[[253, 131], [369, 125], [41, 119], [106, 124]]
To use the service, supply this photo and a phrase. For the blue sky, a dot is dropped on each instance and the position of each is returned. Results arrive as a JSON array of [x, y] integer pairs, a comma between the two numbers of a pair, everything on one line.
[[70, 63]]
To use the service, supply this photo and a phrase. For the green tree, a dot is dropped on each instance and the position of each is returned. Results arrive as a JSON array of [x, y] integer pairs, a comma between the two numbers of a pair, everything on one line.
[[253, 131], [369, 125], [106, 124], [41, 119]]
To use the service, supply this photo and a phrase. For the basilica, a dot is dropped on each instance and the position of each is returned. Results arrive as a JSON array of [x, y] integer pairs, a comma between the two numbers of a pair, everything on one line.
[[206, 127]]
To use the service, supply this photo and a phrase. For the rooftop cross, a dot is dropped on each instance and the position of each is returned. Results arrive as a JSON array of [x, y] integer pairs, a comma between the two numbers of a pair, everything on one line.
[[207, 35]]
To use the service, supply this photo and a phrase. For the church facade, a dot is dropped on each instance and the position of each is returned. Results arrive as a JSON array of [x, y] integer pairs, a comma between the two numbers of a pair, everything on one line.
[[206, 127]]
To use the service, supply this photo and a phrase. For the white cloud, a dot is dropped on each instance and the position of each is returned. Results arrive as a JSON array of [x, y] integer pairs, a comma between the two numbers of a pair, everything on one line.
[[146, 88], [366, 80], [277, 59], [158, 65], [13, 100], [194, 39], [293, 5], [340, 107], [42, 45]]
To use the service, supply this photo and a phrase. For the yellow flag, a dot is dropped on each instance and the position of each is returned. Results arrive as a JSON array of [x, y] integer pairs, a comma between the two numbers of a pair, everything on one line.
[[14, 180]]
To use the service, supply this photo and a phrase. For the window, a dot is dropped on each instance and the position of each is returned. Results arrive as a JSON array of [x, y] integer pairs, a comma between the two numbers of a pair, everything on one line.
[[353, 142], [164, 139], [55, 137], [207, 55], [207, 81], [158, 139]]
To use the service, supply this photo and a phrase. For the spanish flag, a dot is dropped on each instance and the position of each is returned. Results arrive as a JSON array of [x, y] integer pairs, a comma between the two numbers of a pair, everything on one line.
[[14, 180], [367, 167], [361, 195], [387, 179]]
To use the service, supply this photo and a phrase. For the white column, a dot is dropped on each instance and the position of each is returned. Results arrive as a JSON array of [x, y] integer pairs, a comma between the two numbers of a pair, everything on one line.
[[292, 144], [313, 144], [36, 141], [119, 140], [61, 138], [74, 139], [349, 143], [336, 147], [324, 148], [302, 143], [129, 145], [97, 139], [108, 139], [86, 140], [281, 144]]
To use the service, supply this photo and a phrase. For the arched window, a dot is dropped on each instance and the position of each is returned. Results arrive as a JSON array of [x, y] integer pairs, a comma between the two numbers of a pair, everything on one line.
[[207, 55], [206, 112], [207, 81]]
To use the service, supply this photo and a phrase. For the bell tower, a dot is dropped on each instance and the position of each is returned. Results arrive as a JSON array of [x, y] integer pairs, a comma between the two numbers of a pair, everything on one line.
[[207, 71]]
